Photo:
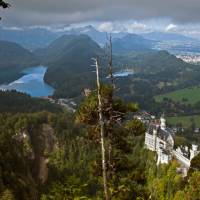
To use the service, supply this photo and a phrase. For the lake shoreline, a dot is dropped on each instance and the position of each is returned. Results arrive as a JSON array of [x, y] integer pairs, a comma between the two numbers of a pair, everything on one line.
[[31, 82]]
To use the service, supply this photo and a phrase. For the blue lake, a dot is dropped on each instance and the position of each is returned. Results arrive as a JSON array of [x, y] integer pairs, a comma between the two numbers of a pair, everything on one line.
[[31, 82]]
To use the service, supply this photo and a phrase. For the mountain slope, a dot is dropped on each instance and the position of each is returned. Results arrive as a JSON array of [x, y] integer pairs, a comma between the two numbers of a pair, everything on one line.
[[153, 60], [98, 36], [14, 58], [69, 61], [131, 42]]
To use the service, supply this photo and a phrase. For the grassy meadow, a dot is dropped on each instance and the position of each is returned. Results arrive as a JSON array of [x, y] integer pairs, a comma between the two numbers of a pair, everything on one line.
[[186, 96], [186, 121]]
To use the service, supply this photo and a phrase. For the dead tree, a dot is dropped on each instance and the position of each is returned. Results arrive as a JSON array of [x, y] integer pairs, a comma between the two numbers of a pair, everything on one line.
[[111, 119], [111, 62], [101, 122]]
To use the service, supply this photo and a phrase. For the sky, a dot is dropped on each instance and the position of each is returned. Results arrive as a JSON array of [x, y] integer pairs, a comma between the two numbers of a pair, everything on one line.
[[182, 16]]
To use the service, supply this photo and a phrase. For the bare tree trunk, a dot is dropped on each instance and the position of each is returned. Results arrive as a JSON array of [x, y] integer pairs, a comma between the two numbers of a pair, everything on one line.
[[101, 122], [111, 62], [110, 66]]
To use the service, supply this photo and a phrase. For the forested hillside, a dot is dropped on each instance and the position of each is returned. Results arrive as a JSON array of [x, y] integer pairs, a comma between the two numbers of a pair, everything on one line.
[[16, 102], [14, 59], [57, 156], [69, 60]]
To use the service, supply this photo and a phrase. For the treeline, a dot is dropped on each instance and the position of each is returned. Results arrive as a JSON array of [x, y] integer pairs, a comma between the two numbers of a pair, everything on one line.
[[13, 101]]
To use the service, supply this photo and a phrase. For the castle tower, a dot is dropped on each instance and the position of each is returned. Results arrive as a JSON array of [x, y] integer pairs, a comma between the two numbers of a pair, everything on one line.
[[194, 151], [155, 138], [162, 123]]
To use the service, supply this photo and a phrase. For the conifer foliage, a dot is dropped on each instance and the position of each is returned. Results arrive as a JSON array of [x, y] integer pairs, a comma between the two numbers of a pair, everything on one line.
[[103, 112]]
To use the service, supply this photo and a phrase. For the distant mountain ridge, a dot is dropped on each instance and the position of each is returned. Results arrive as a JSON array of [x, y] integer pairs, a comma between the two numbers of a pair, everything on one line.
[[29, 38], [98, 36], [132, 42], [163, 36], [33, 38]]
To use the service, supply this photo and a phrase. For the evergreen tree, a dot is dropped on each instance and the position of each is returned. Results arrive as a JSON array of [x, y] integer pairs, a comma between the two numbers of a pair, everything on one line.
[[118, 138]]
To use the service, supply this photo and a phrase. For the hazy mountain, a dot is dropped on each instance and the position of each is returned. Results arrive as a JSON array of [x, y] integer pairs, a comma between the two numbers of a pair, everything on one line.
[[174, 43], [100, 37], [14, 58], [34, 38], [30, 38], [163, 36], [131, 42]]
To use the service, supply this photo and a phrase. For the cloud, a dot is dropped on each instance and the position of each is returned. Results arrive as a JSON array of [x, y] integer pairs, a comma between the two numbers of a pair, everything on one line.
[[48, 12], [171, 27], [106, 27], [136, 26]]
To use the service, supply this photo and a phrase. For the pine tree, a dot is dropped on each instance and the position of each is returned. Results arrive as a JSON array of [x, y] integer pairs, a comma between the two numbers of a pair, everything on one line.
[[102, 111]]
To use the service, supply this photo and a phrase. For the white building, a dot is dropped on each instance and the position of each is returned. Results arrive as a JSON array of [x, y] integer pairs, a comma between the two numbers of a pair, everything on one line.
[[159, 138]]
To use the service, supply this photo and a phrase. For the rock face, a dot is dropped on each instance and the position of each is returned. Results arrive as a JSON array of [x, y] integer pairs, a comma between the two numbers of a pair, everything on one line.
[[43, 142], [37, 143], [27, 142]]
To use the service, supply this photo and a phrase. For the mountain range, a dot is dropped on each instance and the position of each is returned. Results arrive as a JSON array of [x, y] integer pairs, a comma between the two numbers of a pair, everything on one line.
[[167, 36], [132, 42], [33, 38], [69, 63]]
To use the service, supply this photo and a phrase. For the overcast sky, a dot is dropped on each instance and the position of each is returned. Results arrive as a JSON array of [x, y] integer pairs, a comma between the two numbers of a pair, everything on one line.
[[139, 15]]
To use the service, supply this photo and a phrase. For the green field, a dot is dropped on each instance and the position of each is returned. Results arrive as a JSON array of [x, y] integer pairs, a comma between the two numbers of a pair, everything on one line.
[[186, 96], [186, 121]]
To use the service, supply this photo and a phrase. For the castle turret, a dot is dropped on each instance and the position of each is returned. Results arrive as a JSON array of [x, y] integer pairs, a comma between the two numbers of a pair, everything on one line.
[[194, 151], [155, 138], [162, 123]]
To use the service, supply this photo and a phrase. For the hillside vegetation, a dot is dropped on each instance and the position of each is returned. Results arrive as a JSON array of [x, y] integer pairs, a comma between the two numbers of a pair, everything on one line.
[[12, 102], [69, 59], [14, 59], [47, 156], [185, 121]]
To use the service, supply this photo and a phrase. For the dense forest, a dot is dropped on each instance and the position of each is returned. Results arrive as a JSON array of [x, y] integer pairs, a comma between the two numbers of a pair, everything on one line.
[[14, 59], [56, 156], [16, 102]]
